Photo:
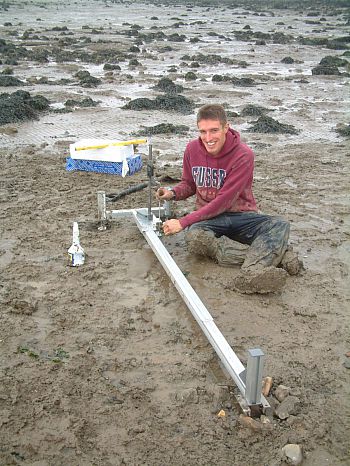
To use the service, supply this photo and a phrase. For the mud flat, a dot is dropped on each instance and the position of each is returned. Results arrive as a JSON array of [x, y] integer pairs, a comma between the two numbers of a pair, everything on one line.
[[103, 364]]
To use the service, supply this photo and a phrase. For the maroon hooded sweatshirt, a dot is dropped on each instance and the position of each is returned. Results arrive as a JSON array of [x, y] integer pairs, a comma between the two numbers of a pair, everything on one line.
[[222, 183]]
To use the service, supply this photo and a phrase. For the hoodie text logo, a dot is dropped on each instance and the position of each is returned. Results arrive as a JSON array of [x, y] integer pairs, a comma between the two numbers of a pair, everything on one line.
[[206, 177]]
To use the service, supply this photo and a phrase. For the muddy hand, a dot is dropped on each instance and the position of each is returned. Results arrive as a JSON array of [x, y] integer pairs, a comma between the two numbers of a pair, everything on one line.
[[171, 227], [164, 194]]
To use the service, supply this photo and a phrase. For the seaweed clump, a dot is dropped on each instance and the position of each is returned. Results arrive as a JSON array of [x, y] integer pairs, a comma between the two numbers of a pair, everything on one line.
[[254, 110], [330, 60], [20, 105], [87, 102], [344, 130], [168, 86], [327, 70], [266, 124], [86, 80], [178, 103], [240, 82], [165, 128], [8, 81]]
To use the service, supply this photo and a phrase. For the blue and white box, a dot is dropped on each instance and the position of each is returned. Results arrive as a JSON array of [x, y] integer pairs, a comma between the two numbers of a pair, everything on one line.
[[104, 156]]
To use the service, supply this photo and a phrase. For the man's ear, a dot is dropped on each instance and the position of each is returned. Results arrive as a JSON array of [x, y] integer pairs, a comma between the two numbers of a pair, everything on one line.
[[226, 127]]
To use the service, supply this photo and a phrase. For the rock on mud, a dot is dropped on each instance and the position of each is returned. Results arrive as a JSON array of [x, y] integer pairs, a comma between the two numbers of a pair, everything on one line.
[[289, 405], [292, 454]]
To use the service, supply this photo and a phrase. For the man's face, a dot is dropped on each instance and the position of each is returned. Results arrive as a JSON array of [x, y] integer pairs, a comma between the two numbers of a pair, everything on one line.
[[213, 135]]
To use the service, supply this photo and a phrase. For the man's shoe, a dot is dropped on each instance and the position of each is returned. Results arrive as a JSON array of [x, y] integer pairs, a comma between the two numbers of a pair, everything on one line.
[[291, 262], [223, 250], [202, 243], [259, 280]]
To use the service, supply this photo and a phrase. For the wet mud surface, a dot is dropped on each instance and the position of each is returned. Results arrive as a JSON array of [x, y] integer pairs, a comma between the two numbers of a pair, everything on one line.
[[103, 364]]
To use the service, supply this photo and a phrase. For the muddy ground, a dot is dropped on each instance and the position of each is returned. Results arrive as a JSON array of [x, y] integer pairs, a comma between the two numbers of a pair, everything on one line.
[[103, 364]]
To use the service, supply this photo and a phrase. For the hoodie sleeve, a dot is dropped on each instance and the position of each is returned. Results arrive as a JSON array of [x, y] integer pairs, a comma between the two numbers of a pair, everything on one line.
[[239, 177], [187, 186]]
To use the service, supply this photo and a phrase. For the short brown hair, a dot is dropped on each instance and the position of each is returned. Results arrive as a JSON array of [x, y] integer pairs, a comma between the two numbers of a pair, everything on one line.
[[212, 112]]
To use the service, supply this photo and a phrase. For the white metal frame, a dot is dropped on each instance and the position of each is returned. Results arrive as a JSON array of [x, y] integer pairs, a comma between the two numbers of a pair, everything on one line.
[[248, 381]]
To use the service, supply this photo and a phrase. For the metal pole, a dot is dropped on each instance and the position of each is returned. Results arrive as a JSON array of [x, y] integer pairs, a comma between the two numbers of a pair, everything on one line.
[[254, 375], [101, 206], [150, 180]]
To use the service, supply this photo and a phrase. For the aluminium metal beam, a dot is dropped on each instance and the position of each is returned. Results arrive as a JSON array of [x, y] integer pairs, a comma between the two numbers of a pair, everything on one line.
[[226, 354], [247, 380]]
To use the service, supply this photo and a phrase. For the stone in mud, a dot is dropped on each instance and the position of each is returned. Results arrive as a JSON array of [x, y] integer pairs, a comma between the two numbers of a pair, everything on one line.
[[290, 405], [326, 70], [266, 124], [187, 397], [282, 392], [292, 454], [168, 86], [8, 81], [20, 106]]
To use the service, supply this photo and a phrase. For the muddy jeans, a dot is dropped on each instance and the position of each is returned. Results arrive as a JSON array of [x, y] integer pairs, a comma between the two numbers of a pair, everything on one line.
[[266, 235]]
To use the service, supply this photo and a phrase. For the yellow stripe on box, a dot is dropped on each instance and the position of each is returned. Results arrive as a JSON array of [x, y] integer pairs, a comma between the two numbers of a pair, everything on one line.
[[120, 143]]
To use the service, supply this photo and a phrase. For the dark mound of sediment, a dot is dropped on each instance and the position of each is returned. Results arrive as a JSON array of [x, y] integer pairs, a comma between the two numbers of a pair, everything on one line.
[[254, 110], [344, 130], [87, 102], [177, 103], [266, 124], [165, 128], [8, 81], [329, 60], [168, 86], [20, 106], [327, 70], [287, 60], [86, 80]]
